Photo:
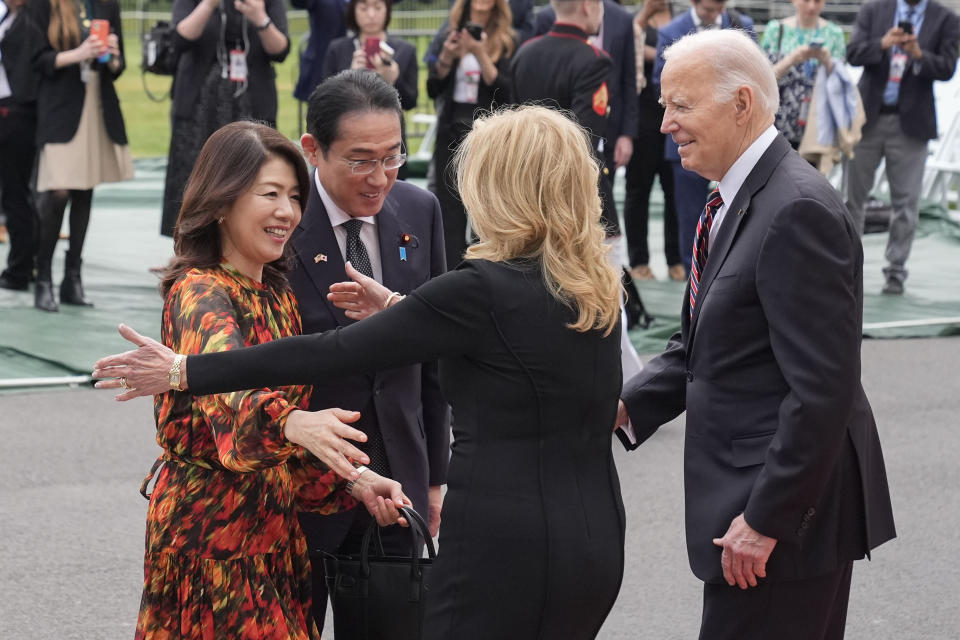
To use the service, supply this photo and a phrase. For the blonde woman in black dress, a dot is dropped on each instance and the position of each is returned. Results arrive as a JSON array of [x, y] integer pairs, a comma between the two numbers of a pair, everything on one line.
[[527, 333]]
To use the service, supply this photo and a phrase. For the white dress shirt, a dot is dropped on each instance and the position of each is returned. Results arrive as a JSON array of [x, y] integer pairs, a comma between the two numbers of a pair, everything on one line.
[[368, 232], [737, 174], [698, 23], [730, 185]]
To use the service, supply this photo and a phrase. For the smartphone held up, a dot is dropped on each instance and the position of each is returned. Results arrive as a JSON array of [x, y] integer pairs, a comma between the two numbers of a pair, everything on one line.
[[101, 29]]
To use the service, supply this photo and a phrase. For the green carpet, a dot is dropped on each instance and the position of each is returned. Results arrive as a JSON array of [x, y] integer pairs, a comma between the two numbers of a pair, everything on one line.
[[123, 243]]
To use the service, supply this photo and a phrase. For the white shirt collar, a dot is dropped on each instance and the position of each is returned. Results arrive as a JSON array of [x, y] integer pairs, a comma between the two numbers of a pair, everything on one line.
[[697, 22], [736, 175], [337, 215]]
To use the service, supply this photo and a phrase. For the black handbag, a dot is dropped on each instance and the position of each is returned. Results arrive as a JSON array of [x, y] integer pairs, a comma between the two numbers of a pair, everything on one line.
[[158, 55], [380, 597], [158, 51]]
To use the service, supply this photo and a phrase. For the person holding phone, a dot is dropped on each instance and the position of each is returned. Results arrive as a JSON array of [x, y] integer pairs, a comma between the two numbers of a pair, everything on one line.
[[468, 64], [80, 130], [797, 46], [371, 47], [899, 69], [224, 73]]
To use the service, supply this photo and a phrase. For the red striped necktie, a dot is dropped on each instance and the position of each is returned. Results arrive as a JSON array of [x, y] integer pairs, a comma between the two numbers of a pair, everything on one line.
[[701, 244]]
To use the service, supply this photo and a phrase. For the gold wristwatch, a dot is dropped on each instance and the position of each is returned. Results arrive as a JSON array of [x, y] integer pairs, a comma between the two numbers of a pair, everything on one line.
[[175, 372]]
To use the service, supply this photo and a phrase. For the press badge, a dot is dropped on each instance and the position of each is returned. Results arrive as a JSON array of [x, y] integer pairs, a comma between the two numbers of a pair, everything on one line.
[[898, 64], [238, 65]]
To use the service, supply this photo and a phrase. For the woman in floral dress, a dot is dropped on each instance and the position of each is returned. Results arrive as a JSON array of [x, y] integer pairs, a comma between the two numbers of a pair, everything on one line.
[[225, 557]]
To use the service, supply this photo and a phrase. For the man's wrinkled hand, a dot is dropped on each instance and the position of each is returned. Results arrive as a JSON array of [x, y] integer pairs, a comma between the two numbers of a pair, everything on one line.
[[745, 553]]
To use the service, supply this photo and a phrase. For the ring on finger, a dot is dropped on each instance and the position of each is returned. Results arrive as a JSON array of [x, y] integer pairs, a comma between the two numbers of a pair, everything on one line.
[[123, 384]]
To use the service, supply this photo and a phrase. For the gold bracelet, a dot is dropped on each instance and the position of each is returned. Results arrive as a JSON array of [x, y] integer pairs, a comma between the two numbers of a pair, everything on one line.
[[174, 374], [386, 303]]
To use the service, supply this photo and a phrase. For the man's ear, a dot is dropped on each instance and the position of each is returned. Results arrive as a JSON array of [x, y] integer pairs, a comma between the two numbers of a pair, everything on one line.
[[744, 103], [310, 148]]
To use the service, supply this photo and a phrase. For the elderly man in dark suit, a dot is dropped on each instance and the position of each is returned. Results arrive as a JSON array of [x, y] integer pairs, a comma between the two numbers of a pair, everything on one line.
[[903, 46], [784, 476], [391, 231], [688, 187]]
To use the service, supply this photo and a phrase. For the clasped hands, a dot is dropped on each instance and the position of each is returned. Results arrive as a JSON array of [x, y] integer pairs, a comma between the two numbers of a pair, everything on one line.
[[906, 41]]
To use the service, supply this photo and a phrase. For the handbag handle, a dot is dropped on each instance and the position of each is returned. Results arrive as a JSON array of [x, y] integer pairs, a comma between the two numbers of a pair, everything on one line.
[[418, 528]]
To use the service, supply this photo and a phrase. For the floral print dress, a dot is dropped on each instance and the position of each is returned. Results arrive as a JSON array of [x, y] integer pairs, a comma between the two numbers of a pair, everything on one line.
[[225, 556]]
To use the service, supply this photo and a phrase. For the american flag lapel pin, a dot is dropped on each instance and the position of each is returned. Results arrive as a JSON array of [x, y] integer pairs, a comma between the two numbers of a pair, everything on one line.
[[320, 257]]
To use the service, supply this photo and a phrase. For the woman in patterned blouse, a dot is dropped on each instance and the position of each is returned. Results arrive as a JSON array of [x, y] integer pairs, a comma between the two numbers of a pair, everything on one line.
[[225, 557]]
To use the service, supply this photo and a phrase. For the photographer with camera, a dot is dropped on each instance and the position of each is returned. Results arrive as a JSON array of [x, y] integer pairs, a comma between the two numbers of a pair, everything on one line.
[[903, 46], [80, 130], [468, 72], [369, 46], [797, 46], [224, 74]]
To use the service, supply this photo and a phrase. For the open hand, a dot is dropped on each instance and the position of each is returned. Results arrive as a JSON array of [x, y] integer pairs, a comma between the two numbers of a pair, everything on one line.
[[360, 298], [745, 553], [145, 371]]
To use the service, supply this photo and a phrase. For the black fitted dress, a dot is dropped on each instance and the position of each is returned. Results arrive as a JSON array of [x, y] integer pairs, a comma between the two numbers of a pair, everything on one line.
[[531, 544]]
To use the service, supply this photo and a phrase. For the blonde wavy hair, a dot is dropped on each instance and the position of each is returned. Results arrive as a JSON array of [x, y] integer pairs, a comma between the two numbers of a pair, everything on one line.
[[500, 36], [528, 180]]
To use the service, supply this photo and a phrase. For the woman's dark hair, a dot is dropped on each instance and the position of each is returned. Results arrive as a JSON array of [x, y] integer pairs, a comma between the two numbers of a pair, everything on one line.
[[350, 91], [227, 168], [351, 15]]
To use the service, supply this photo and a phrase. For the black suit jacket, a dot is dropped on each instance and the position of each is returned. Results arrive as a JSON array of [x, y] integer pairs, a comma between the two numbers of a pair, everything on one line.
[[18, 49], [939, 38], [61, 92], [619, 44], [406, 401], [768, 370], [562, 70], [339, 56]]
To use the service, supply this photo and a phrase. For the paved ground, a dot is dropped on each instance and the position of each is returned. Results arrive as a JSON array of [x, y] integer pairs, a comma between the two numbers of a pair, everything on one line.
[[71, 520]]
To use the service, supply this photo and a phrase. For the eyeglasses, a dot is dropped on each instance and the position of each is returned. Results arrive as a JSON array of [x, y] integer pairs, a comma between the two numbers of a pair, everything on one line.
[[365, 167]]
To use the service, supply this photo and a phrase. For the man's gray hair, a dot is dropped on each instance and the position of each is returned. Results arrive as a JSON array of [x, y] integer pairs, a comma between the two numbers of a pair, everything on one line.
[[736, 60]]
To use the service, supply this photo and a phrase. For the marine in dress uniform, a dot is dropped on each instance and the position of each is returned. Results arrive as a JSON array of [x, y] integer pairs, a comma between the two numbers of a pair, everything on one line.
[[563, 70]]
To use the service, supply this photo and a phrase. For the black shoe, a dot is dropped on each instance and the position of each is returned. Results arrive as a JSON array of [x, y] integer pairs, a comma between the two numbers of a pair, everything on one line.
[[893, 287], [43, 296], [6, 282], [71, 290]]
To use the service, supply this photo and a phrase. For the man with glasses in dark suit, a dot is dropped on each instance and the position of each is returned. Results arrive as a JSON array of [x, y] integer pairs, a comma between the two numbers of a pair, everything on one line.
[[391, 231]]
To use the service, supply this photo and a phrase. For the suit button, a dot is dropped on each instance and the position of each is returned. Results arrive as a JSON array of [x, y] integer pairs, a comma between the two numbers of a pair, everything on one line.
[[811, 512], [689, 376], [804, 525]]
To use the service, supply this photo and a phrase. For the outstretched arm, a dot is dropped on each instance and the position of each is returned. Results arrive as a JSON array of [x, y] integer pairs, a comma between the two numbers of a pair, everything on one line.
[[443, 317]]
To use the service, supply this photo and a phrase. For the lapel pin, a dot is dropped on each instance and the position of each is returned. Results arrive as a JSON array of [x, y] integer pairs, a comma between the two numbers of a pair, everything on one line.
[[320, 257], [403, 254], [739, 212]]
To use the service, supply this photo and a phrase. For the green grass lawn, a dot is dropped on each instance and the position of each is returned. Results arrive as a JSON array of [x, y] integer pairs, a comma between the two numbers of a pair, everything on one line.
[[148, 122]]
